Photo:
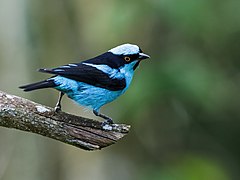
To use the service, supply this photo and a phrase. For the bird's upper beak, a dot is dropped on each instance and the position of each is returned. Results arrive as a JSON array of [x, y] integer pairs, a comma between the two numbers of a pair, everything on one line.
[[143, 56]]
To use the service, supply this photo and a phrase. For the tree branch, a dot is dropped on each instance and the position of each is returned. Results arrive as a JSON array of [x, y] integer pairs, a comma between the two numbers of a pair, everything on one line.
[[25, 115]]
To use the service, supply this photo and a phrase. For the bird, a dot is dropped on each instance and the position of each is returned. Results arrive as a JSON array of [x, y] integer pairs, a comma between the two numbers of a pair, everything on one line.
[[94, 82]]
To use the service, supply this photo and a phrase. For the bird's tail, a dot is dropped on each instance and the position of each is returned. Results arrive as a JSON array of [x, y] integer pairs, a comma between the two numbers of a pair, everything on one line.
[[39, 85]]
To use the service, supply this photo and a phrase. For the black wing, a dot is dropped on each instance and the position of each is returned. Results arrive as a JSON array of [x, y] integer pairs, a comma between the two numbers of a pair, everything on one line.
[[88, 74]]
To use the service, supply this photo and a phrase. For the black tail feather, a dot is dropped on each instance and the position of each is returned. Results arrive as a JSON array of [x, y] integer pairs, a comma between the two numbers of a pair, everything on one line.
[[38, 85]]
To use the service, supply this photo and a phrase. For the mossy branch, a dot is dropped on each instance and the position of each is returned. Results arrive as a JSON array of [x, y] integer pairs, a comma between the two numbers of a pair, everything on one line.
[[25, 115]]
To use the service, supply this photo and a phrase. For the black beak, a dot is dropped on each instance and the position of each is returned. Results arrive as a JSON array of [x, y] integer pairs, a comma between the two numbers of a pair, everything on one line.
[[143, 56]]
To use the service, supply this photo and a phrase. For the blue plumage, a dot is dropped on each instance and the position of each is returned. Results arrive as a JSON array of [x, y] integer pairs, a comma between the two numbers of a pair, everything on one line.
[[91, 96], [84, 94], [97, 81]]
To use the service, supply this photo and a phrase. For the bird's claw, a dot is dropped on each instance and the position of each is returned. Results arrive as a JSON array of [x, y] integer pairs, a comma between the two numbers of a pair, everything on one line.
[[57, 109], [107, 125], [107, 122]]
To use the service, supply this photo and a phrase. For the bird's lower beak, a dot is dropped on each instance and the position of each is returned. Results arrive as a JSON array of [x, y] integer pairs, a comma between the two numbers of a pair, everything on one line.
[[143, 56]]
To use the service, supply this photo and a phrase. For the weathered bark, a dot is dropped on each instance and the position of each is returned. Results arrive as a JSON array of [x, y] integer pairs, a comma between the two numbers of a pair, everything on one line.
[[25, 115]]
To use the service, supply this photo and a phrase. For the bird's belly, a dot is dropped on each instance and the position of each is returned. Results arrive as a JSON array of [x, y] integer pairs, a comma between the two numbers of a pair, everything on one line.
[[93, 97], [85, 94]]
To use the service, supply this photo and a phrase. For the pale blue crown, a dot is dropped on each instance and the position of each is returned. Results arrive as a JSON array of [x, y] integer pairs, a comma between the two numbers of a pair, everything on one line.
[[125, 49]]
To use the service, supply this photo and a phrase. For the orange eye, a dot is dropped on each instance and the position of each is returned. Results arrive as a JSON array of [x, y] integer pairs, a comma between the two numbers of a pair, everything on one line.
[[127, 58]]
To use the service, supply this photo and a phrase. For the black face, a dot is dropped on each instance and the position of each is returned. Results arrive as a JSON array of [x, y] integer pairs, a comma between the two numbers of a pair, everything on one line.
[[112, 60], [129, 58]]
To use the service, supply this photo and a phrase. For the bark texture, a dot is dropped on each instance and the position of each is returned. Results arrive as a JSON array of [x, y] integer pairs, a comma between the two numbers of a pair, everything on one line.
[[88, 134]]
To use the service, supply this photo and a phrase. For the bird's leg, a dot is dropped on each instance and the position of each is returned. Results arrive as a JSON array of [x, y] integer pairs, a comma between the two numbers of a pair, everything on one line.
[[58, 105], [108, 120]]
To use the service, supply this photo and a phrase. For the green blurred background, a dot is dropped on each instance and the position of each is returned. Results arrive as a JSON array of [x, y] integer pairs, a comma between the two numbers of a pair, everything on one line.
[[183, 104]]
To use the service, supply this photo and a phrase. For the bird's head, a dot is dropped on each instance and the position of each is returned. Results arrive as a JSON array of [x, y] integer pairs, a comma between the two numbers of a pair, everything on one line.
[[128, 54]]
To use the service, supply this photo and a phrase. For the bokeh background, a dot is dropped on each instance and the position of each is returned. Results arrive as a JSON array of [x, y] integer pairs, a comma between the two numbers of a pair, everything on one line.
[[183, 104]]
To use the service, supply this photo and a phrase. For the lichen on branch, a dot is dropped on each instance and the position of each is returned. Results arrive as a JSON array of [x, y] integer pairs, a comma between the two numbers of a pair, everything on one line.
[[88, 134]]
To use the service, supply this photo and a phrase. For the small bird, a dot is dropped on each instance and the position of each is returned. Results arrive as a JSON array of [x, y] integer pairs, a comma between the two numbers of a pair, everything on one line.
[[95, 82]]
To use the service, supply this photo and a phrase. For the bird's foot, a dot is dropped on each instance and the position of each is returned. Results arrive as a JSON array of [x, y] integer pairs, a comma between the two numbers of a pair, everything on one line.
[[108, 121], [58, 108], [107, 124], [58, 105]]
